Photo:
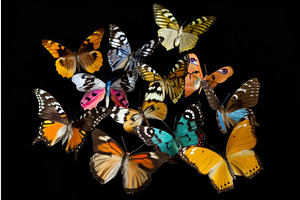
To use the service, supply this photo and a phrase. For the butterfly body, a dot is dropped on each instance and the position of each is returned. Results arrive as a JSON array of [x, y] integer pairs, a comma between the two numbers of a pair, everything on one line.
[[238, 160], [87, 56], [109, 158], [187, 132]]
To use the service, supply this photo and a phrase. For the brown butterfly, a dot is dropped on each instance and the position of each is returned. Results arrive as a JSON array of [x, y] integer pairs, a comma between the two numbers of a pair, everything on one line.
[[87, 56]]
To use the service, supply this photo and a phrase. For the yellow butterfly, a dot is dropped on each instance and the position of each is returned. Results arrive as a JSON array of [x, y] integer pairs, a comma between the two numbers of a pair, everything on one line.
[[239, 159], [87, 56], [159, 86], [175, 35]]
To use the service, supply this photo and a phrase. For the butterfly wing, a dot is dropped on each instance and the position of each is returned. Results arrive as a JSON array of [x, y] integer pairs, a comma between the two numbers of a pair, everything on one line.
[[245, 97], [107, 160], [53, 129], [215, 105], [218, 76], [156, 89], [190, 33], [188, 130], [66, 60], [86, 122], [154, 110], [159, 139], [194, 76], [90, 59], [243, 160], [128, 117], [119, 97], [175, 80], [164, 18], [137, 170], [148, 48], [118, 57], [209, 162]]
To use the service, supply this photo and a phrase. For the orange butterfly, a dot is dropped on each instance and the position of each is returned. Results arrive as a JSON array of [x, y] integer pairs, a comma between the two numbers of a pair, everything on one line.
[[109, 158], [87, 56], [195, 75]]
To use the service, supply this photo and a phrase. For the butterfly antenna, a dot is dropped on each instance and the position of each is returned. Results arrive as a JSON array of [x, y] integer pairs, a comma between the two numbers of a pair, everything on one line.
[[76, 113], [226, 98], [216, 150], [137, 148], [166, 125], [205, 69], [124, 144], [174, 122]]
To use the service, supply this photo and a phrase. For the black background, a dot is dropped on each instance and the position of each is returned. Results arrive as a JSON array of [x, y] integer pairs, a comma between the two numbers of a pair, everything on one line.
[[256, 38]]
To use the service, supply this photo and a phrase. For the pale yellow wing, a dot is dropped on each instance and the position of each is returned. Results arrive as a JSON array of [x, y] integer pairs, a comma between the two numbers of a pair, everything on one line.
[[169, 36]]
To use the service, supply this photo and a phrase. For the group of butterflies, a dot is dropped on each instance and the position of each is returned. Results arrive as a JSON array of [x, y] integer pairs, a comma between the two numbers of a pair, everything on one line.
[[184, 79]]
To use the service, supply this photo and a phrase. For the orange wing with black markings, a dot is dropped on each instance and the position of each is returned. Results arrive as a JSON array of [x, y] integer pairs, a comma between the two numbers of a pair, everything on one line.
[[87, 56], [219, 76]]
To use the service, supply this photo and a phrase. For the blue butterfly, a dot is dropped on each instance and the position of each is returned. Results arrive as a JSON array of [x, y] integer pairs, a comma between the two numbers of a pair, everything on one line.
[[238, 106], [186, 133]]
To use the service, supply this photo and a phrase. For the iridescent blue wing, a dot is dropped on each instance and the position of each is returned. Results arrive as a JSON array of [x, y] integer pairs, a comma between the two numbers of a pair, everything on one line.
[[188, 130], [159, 139]]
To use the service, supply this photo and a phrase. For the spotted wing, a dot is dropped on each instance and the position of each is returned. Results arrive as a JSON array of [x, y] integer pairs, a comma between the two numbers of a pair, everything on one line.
[[218, 76]]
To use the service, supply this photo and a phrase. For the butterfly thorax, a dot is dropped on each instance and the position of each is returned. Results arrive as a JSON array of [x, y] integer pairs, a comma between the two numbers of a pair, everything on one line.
[[229, 167], [177, 39], [68, 133], [224, 114], [108, 84], [142, 114], [77, 61]]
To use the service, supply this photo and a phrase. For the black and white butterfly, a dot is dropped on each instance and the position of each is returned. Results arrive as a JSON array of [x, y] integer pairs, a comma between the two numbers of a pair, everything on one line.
[[238, 106], [121, 55], [96, 89], [57, 127]]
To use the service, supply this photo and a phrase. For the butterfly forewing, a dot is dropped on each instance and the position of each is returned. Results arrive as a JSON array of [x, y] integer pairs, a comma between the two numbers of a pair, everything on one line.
[[164, 18], [49, 108], [127, 82], [148, 48], [200, 25], [87, 82], [246, 96], [211, 96], [92, 42]]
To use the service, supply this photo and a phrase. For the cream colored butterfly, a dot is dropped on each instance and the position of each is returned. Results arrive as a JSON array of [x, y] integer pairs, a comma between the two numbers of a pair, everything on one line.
[[175, 35]]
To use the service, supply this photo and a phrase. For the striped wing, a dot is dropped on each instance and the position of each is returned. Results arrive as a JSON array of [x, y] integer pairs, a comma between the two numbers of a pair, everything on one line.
[[137, 170], [175, 80], [86, 82], [200, 25], [164, 18]]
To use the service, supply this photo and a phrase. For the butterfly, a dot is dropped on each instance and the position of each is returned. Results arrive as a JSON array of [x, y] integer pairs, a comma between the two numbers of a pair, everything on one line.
[[187, 133], [159, 87], [96, 89], [136, 168], [238, 106], [195, 76], [131, 117], [239, 160], [175, 35], [57, 126], [87, 56], [121, 55]]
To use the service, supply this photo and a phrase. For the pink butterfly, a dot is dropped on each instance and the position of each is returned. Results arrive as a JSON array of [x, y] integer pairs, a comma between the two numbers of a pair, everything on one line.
[[96, 89]]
